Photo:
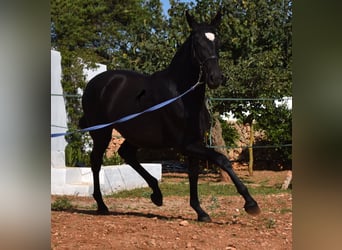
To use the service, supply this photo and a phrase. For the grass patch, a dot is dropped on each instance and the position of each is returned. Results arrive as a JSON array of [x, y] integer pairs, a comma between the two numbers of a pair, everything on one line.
[[61, 204], [204, 189], [214, 203], [285, 210], [265, 190], [270, 223], [264, 182]]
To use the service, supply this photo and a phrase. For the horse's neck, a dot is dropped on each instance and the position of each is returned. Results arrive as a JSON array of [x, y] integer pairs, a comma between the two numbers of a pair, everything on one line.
[[182, 68]]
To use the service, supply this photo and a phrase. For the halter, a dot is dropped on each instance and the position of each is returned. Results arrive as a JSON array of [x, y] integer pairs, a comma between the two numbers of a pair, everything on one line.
[[207, 59], [201, 63]]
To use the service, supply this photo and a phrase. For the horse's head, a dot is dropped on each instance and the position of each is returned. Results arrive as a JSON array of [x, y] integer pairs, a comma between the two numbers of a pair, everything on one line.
[[205, 45]]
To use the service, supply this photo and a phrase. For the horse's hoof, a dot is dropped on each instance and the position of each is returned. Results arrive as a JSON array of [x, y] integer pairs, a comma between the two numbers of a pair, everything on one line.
[[204, 218], [102, 211], [157, 199], [252, 209]]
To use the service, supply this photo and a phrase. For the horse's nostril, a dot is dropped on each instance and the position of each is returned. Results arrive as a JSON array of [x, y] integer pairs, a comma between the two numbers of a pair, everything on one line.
[[216, 78], [212, 78]]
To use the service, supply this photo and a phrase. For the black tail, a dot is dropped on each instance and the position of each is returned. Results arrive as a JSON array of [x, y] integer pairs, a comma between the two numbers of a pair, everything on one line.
[[82, 123]]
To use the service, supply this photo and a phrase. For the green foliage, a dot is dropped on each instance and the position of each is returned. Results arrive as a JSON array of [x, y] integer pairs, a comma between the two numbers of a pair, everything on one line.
[[277, 123], [115, 159], [61, 204], [229, 134], [255, 54], [72, 155], [75, 156]]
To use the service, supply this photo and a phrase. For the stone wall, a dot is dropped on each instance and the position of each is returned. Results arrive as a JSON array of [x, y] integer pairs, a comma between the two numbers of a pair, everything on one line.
[[114, 144], [244, 137]]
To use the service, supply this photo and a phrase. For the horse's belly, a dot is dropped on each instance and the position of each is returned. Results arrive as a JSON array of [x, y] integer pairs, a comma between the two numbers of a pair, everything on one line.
[[150, 132]]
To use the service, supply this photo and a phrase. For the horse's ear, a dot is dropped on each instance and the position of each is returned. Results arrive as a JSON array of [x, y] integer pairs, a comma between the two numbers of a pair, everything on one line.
[[217, 19], [190, 19]]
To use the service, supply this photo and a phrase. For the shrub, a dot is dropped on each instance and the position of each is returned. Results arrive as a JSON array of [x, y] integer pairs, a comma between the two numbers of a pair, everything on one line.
[[61, 203]]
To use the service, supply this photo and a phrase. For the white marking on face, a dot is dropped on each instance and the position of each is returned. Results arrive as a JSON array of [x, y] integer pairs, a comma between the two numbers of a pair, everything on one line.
[[210, 36]]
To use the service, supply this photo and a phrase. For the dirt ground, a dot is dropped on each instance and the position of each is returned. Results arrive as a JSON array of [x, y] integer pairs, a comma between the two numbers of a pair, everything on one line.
[[138, 224]]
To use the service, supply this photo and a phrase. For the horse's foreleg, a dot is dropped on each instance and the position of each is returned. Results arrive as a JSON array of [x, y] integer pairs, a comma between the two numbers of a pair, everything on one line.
[[128, 153], [251, 206], [101, 139], [194, 201]]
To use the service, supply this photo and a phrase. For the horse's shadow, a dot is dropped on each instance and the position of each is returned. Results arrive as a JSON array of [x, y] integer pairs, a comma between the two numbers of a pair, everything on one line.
[[129, 213], [139, 214]]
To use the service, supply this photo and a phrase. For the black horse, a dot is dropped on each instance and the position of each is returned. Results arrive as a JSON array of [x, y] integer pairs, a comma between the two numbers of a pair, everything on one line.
[[180, 125]]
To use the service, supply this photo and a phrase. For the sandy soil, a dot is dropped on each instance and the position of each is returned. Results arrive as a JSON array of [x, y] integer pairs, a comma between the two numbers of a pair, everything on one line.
[[136, 223]]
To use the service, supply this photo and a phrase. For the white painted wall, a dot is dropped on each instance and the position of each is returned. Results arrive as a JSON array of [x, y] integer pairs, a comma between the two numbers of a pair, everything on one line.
[[79, 181], [58, 112]]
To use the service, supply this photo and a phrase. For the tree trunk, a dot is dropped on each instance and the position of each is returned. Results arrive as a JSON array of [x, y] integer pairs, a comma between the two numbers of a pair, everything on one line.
[[218, 141], [250, 149]]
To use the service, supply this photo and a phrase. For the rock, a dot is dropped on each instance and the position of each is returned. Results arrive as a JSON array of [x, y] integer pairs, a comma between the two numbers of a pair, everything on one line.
[[153, 242], [184, 223], [287, 181]]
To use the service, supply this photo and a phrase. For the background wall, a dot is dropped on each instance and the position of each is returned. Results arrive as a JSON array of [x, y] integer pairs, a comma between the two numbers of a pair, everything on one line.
[[58, 112]]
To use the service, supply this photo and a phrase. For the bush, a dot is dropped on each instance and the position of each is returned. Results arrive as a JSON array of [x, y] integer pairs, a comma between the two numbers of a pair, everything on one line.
[[229, 133], [75, 157], [115, 159], [61, 204], [277, 124]]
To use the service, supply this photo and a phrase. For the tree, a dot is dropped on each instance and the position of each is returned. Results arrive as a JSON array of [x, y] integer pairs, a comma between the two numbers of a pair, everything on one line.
[[256, 57], [115, 33]]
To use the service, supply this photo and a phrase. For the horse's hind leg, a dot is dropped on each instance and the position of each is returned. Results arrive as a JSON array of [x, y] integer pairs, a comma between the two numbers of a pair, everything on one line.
[[129, 154], [251, 206], [101, 139]]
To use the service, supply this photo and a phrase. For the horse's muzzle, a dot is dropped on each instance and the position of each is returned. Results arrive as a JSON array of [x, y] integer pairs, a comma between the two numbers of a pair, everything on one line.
[[214, 80]]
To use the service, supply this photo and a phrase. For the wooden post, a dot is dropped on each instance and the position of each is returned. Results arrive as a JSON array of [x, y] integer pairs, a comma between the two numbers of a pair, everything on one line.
[[250, 149]]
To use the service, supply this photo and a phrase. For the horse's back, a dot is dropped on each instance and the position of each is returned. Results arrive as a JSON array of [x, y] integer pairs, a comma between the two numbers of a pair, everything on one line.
[[111, 82], [111, 89]]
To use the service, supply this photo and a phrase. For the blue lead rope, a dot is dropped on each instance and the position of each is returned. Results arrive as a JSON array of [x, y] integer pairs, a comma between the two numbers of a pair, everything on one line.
[[130, 117]]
